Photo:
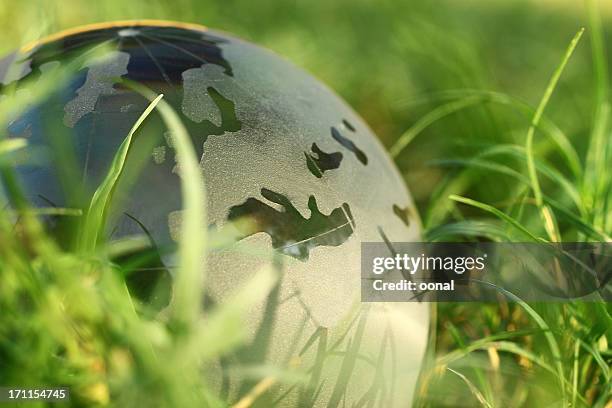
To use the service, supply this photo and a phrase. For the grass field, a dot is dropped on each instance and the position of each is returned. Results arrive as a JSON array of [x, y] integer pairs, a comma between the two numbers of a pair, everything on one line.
[[498, 116]]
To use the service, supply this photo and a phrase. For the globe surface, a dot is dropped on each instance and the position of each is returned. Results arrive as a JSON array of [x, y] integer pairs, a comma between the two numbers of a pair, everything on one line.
[[277, 148]]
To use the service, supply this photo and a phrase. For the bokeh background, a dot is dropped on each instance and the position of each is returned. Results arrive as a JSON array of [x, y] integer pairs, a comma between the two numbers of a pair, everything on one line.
[[395, 62]]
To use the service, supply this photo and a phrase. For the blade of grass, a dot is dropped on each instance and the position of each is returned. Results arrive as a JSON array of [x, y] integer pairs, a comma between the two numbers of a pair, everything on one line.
[[439, 206], [189, 281], [496, 342], [469, 228], [546, 214], [603, 365], [432, 117], [348, 363], [597, 162], [581, 225], [484, 165], [546, 126], [575, 372], [458, 337], [15, 101], [93, 226], [548, 335], [490, 209], [223, 329], [542, 167], [481, 399], [126, 245]]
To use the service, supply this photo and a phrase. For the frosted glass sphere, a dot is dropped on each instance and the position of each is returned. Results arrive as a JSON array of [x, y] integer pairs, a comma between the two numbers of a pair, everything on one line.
[[288, 166]]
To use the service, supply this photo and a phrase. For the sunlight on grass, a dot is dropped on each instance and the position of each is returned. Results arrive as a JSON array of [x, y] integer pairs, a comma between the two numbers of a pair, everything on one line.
[[469, 148]]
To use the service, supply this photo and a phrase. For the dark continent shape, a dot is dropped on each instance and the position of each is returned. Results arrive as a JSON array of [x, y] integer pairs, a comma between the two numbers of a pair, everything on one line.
[[402, 213], [291, 233], [319, 162], [350, 145]]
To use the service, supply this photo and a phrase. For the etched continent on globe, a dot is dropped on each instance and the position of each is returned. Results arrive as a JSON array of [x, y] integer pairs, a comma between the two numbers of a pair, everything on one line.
[[288, 166]]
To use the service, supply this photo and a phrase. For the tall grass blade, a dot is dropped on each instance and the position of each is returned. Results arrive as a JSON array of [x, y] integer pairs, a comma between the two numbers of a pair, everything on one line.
[[598, 155], [93, 227], [533, 176], [188, 283]]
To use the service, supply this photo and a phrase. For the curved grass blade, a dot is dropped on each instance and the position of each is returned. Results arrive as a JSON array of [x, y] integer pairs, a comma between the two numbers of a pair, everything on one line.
[[93, 226], [472, 388], [599, 150], [540, 111], [188, 283], [546, 214], [490, 209], [546, 170], [497, 343], [546, 126], [484, 165], [467, 228], [430, 118], [575, 373], [583, 226], [548, 335], [506, 346], [605, 367], [505, 170], [348, 363]]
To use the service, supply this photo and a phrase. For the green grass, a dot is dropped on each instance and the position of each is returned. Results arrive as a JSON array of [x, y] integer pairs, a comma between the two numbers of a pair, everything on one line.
[[570, 341], [68, 317], [455, 91]]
